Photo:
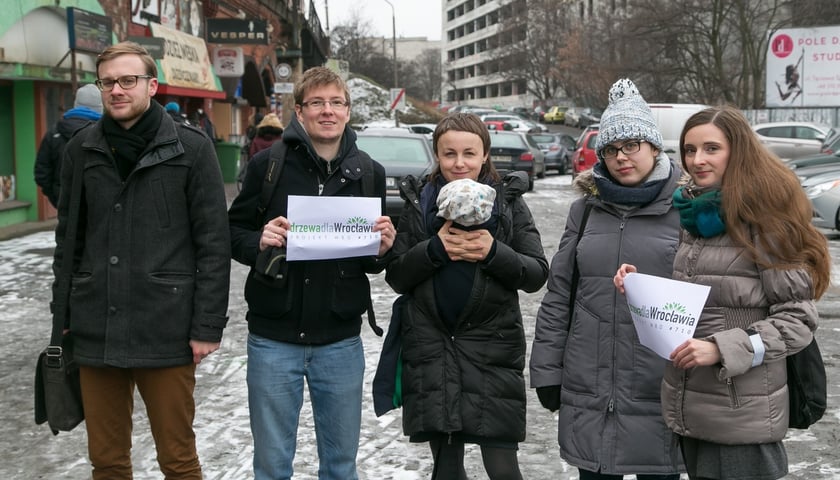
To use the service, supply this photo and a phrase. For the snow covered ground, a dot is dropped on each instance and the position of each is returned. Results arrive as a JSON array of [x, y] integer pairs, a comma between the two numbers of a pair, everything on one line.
[[28, 451]]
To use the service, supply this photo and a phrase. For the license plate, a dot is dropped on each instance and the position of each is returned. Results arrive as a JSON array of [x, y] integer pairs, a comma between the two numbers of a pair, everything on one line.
[[500, 158]]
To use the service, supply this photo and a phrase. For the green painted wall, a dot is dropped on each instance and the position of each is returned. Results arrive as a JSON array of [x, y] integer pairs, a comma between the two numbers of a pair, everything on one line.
[[26, 145], [12, 10]]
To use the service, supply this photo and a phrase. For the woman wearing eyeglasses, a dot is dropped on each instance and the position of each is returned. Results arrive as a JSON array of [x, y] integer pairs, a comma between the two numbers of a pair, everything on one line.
[[586, 359]]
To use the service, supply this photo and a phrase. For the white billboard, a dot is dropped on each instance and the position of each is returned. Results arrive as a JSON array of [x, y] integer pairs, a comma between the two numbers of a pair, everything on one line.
[[803, 67]]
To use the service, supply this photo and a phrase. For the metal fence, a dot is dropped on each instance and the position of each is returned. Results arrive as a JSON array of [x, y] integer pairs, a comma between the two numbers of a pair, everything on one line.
[[821, 116]]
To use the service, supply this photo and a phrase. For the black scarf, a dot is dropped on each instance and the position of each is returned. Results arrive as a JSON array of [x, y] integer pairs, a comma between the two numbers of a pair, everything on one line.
[[128, 146], [614, 192]]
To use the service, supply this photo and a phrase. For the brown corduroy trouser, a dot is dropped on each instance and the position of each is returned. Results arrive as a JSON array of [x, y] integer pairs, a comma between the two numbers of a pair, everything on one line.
[[108, 399]]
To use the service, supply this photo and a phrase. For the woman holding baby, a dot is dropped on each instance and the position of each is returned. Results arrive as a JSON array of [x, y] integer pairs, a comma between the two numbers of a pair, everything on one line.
[[467, 243]]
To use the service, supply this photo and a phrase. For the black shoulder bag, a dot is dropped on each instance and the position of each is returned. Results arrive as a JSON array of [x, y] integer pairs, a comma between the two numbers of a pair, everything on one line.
[[58, 395], [806, 386]]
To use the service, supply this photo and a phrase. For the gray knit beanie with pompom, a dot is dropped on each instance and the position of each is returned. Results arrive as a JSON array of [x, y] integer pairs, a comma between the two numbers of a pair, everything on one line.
[[627, 117]]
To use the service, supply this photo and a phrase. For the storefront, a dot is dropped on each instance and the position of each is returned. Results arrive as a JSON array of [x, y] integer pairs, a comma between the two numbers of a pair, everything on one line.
[[37, 75]]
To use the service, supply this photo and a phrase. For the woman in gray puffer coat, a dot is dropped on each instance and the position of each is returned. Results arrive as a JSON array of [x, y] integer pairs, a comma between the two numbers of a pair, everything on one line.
[[746, 233], [586, 358]]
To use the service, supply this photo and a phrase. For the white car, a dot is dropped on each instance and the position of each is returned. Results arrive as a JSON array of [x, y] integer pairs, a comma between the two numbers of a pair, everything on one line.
[[517, 123], [791, 139]]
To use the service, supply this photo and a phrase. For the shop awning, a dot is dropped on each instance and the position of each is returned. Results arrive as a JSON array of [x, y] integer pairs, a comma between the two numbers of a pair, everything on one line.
[[185, 69]]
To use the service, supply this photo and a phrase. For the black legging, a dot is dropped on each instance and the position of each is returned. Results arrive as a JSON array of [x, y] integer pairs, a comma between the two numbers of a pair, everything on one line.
[[499, 463], [587, 475]]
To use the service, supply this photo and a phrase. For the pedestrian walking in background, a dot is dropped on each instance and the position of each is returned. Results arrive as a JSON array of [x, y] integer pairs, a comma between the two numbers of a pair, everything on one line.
[[87, 108], [304, 319], [463, 343], [586, 359], [150, 286], [202, 121], [269, 130], [174, 111], [746, 233]]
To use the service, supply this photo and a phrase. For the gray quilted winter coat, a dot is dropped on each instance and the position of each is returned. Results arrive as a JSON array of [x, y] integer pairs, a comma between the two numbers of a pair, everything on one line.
[[610, 416]]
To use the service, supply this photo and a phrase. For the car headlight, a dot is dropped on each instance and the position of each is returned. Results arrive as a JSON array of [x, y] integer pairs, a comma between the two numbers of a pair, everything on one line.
[[820, 188]]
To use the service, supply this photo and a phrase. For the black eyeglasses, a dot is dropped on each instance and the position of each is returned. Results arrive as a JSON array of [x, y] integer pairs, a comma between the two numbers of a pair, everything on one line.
[[126, 82], [628, 148], [321, 104]]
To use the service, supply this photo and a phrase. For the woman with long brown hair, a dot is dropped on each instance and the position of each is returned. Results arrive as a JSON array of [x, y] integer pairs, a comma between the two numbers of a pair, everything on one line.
[[746, 233]]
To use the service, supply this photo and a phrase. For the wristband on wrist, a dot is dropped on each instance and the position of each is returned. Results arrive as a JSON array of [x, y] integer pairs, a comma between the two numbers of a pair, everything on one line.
[[758, 347]]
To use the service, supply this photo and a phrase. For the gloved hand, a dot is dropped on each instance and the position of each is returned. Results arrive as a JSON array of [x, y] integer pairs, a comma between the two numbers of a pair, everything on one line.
[[549, 397]]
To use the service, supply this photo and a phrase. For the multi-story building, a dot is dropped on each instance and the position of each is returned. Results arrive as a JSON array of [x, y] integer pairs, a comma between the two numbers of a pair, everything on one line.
[[476, 33], [471, 31]]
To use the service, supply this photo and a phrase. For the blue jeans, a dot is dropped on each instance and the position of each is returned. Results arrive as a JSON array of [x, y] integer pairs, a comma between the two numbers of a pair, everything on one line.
[[276, 373]]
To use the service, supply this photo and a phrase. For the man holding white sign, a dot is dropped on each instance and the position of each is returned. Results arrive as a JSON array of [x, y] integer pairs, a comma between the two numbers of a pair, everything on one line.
[[305, 305]]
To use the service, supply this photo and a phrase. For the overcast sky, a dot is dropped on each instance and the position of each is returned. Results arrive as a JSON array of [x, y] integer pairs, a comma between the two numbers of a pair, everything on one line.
[[414, 18]]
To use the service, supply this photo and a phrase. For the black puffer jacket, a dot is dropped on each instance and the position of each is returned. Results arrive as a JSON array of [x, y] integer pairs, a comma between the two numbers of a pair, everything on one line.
[[319, 301], [468, 378]]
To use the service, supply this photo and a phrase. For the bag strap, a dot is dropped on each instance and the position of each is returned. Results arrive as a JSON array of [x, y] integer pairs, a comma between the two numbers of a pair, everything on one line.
[[277, 157], [66, 273], [575, 270], [368, 189]]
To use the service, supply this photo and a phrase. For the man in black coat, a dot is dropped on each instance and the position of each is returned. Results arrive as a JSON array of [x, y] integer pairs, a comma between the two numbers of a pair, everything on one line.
[[87, 108], [150, 282]]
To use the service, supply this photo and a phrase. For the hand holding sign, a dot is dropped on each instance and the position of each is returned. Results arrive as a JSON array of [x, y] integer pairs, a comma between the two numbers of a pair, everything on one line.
[[664, 311]]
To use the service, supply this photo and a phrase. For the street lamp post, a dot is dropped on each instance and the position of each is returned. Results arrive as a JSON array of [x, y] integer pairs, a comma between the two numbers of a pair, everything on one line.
[[394, 45]]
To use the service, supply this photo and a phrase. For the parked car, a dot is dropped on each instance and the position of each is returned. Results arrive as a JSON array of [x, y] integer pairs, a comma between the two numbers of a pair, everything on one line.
[[833, 157], [401, 153], [801, 163], [539, 114], [522, 112], [671, 118], [589, 116], [516, 151], [571, 117], [558, 149], [424, 128], [831, 144], [555, 114], [791, 139], [510, 123], [824, 192], [585, 156]]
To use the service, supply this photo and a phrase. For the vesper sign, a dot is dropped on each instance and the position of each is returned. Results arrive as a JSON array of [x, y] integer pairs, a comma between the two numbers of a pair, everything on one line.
[[236, 31]]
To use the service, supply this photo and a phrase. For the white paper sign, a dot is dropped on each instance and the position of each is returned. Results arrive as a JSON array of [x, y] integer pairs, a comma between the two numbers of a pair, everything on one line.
[[665, 311], [332, 227]]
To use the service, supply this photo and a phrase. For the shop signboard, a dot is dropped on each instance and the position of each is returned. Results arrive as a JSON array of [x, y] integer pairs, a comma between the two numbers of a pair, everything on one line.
[[88, 31], [236, 31], [802, 66]]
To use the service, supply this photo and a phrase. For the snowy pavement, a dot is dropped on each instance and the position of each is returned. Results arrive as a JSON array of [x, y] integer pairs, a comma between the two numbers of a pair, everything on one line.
[[28, 451]]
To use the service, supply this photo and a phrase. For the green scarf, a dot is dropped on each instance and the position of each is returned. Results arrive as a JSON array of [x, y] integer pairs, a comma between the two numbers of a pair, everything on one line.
[[700, 215]]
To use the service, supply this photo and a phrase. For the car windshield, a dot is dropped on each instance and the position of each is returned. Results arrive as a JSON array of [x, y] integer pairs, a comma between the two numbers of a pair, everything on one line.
[[394, 150], [543, 138], [512, 141]]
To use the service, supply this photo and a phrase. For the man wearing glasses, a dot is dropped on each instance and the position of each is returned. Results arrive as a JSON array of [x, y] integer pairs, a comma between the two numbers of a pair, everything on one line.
[[304, 323], [150, 283]]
